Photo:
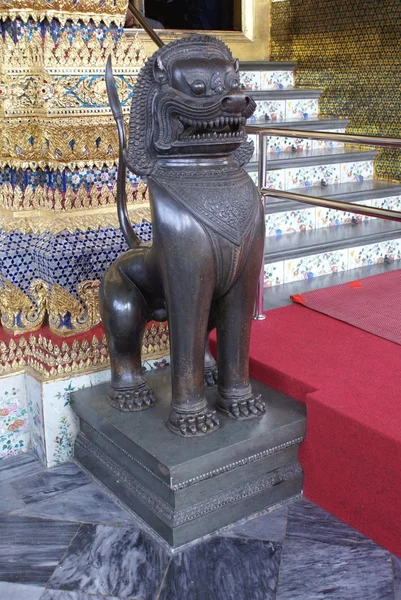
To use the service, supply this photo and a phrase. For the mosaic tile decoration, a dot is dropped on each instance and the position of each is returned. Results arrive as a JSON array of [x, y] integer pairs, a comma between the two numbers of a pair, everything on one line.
[[66, 258], [351, 51], [290, 222]]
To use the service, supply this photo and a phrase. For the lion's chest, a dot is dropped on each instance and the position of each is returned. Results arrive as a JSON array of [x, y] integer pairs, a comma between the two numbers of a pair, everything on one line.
[[227, 202]]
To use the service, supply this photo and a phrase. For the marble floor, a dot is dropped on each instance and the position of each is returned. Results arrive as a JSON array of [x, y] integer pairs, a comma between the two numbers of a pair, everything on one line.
[[63, 537]]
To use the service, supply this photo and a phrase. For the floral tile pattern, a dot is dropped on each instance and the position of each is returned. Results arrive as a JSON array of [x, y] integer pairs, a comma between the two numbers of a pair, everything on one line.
[[274, 274], [302, 108], [275, 110], [14, 420], [255, 140], [310, 176], [363, 256], [326, 217], [276, 80], [279, 144], [250, 80], [329, 144], [313, 266], [290, 222], [390, 203], [357, 171], [35, 411], [275, 179]]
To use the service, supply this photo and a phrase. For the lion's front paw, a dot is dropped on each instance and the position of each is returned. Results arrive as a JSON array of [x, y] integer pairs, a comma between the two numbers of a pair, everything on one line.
[[195, 424], [243, 409], [211, 374], [131, 400]]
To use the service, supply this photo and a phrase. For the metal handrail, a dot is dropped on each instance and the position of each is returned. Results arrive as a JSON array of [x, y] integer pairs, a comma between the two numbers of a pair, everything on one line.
[[364, 140], [381, 213]]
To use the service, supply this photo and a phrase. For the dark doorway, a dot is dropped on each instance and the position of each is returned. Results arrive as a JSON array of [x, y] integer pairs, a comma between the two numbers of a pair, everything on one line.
[[194, 14]]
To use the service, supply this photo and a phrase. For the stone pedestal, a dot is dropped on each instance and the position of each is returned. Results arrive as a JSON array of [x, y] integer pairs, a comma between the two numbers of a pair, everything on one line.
[[185, 488]]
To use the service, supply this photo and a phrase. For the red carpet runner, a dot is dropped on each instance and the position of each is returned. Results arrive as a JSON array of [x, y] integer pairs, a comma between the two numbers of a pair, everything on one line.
[[360, 303], [350, 381]]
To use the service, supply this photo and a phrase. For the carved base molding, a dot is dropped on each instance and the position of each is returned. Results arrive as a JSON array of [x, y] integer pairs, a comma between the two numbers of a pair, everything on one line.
[[184, 492], [49, 357]]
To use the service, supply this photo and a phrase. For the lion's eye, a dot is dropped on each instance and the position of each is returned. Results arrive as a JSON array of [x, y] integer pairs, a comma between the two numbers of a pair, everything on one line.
[[235, 84], [198, 87]]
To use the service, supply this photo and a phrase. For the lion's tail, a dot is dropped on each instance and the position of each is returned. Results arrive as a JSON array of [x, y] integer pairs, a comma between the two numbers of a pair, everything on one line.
[[130, 236]]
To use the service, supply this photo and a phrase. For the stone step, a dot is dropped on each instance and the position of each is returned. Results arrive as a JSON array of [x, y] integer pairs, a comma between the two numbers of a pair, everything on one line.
[[266, 75], [353, 191], [313, 123], [330, 250], [317, 156], [280, 295], [324, 240]]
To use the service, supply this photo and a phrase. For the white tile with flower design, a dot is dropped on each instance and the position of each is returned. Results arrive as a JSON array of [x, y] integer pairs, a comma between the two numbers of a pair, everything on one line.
[[255, 140], [302, 109], [389, 203], [36, 420], [372, 254], [275, 110], [290, 221], [311, 176], [250, 80], [15, 437], [275, 179], [307, 267], [274, 274], [290, 146], [357, 171], [328, 144], [327, 217], [276, 80]]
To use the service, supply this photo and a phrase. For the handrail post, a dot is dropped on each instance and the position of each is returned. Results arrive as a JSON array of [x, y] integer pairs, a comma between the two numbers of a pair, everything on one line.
[[258, 314]]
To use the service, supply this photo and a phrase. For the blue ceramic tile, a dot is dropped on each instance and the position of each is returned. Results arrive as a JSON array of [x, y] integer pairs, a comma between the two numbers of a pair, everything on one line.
[[224, 568], [30, 548], [270, 526], [19, 466], [112, 561], [397, 577], [88, 503], [50, 482], [17, 591], [320, 571], [309, 522], [63, 595]]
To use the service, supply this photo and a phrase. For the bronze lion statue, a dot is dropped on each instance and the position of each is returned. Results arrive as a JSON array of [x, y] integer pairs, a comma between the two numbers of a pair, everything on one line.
[[187, 136]]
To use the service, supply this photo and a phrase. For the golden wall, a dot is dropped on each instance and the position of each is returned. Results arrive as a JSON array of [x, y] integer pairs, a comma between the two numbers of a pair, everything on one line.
[[351, 50]]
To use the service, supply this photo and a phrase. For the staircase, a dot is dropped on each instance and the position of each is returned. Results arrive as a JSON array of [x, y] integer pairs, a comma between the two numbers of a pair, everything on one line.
[[309, 247]]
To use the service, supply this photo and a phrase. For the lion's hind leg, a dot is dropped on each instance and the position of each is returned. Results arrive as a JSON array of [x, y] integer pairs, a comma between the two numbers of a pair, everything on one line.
[[124, 306]]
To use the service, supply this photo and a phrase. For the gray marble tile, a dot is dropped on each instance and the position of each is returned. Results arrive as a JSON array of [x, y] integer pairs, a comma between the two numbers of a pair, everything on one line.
[[397, 577], [309, 522], [270, 526], [224, 568], [50, 482], [320, 571], [88, 503], [10, 500], [30, 548], [19, 466], [112, 561], [63, 595], [17, 591]]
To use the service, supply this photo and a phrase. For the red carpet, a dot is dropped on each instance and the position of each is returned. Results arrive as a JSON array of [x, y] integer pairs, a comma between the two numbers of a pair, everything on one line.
[[360, 303], [350, 381]]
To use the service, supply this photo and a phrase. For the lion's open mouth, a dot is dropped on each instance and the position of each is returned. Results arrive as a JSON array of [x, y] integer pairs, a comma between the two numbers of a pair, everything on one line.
[[221, 128]]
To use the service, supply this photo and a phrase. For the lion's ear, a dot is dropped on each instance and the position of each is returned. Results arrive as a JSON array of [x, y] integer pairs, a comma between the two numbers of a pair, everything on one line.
[[236, 65], [159, 72]]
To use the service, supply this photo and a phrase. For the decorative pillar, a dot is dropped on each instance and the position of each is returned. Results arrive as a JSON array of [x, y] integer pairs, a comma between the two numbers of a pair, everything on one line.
[[58, 220]]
